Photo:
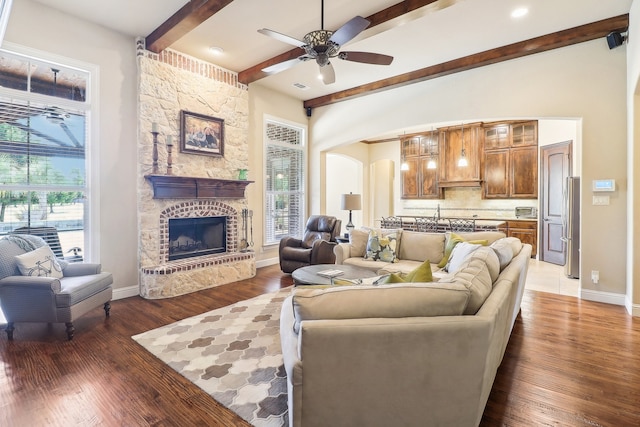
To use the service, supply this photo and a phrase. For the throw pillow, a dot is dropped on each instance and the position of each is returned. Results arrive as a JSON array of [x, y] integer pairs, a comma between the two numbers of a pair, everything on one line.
[[40, 262], [459, 254], [452, 240], [382, 248], [420, 274]]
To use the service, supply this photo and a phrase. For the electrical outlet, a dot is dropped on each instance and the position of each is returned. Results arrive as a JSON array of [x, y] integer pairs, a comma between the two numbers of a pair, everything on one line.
[[595, 276]]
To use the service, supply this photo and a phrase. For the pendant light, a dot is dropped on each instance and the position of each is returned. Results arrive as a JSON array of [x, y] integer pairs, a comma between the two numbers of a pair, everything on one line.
[[462, 161]]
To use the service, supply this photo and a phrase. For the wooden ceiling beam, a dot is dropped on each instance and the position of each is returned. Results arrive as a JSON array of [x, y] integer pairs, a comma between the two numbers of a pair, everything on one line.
[[255, 73], [183, 21], [544, 43]]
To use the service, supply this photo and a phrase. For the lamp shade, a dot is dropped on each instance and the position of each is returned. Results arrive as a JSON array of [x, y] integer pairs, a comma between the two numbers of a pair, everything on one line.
[[351, 202]]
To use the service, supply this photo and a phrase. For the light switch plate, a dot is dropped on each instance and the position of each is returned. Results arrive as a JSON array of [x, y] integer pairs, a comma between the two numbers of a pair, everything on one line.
[[600, 200]]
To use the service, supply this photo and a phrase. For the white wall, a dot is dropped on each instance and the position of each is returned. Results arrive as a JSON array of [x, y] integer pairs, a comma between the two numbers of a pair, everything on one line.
[[263, 101], [584, 81], [633, 159], [346, 178], [38, 27]]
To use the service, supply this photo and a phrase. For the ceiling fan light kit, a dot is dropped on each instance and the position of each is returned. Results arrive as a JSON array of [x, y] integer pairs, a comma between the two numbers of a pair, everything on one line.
[[322, 45]]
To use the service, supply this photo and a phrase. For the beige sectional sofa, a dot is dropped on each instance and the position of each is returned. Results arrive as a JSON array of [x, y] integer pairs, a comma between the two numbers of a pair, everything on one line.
[[408, 354]]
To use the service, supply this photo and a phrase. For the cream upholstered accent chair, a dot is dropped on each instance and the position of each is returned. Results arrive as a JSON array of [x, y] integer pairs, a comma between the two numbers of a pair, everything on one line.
[[35, 286]]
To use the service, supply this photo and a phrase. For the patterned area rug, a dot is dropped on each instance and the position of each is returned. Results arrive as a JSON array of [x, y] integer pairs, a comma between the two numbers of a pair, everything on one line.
[[233, 354]]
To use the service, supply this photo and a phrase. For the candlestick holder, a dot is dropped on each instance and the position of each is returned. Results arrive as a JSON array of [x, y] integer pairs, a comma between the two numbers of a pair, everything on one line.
[[169, 160], [155, 152]]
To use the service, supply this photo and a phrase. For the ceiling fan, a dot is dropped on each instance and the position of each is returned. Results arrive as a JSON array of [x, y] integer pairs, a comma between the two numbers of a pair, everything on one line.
[[322, 45]]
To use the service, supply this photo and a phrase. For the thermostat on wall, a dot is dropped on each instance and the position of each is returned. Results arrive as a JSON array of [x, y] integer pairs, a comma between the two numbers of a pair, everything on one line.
[[604, 185]]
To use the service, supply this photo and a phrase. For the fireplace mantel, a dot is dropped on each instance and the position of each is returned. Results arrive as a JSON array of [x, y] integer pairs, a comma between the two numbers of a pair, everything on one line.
[[186, 187]]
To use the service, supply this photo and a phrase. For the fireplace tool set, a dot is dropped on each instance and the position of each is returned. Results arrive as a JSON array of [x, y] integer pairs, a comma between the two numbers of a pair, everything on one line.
[[247, 223]]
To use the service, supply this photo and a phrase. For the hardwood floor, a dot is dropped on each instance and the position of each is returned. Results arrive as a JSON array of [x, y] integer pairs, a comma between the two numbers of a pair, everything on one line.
[[568, 363]]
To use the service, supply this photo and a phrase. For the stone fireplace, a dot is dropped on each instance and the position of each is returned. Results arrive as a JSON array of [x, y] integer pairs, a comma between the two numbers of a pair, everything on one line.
[[189, 204], [172, 277]]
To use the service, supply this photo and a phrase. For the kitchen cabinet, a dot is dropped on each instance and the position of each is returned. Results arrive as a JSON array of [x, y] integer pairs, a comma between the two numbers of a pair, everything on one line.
[[524, 173], [453, 142], [510, 166], [526, 231], [420, 182]]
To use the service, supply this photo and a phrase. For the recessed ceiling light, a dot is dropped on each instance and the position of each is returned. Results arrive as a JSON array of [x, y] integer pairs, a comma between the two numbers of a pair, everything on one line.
[[519, 12], [216, 50]]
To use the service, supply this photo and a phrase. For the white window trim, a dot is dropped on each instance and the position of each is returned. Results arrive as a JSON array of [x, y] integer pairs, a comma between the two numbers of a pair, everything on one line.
[[92, 156], [305, 132]]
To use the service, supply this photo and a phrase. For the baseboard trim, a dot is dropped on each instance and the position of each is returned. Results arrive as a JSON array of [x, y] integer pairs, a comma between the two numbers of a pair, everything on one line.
[[129, 291], [267, 262], [632, 309], [605, 297]]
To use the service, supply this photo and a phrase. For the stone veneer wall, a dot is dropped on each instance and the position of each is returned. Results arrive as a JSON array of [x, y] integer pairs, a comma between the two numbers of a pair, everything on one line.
[[168, 83]]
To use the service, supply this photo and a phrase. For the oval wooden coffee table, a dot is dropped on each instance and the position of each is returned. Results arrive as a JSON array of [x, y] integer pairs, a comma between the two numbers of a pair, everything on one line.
[[309, 275]]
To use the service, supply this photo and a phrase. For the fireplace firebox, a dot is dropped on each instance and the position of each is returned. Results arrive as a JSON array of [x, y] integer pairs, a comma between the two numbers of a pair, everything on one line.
[[191, 237]]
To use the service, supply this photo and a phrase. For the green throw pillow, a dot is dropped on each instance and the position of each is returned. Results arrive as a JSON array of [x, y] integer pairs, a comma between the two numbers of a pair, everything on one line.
[[420, 274], [454, 239]]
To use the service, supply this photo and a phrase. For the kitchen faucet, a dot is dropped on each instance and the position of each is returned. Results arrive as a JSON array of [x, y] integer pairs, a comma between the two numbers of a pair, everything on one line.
[[438, 211]]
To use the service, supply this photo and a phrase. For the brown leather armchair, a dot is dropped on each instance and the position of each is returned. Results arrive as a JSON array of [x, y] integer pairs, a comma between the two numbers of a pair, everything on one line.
[[315, 247]]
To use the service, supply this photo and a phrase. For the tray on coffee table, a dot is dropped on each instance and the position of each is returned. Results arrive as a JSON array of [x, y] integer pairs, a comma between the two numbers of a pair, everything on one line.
[[309, 275]]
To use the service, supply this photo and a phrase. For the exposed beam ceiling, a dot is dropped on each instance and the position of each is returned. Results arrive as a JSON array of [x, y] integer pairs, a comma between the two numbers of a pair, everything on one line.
[[183, 21], [544, 43], [255, 73]]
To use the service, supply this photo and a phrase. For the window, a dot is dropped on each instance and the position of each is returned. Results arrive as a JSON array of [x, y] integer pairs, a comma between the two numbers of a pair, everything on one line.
[[284, 181], [43, 158]]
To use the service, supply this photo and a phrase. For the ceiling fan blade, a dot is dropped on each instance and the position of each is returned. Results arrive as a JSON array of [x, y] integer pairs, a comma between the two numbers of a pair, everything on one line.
[[328, 74], [366, 57], [282, 37], [349, 30], [281, 66]]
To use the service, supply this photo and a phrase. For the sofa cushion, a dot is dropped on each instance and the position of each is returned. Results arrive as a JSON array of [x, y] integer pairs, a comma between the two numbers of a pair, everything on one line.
[[418, 246], [486, 254], [459, 254], [489, 236], [39, 262], [384, 301], [474, 275], [504, 251], [358, 240], [381, 248]]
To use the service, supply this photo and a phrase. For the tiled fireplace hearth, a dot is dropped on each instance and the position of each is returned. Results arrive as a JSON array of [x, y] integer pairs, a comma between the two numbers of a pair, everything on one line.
[[178, 277]]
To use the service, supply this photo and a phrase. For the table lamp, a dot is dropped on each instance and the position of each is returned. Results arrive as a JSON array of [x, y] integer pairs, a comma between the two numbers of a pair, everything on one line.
[[351, 202]]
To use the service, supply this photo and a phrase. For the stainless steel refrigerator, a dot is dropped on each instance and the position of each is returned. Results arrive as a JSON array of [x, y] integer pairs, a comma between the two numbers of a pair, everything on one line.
[[571, 226]]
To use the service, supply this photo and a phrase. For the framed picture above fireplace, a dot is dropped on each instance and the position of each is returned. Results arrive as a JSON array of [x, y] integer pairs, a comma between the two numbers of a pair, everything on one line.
[[200, 134]]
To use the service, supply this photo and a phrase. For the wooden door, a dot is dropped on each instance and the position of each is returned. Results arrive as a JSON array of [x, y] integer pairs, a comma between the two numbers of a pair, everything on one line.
[[555, 168]]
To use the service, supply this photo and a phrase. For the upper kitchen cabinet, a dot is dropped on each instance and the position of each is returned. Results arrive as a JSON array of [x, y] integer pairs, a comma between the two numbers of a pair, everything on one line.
[[456, 142], [420, 153], [497, 136], [524, 134], [511, 161]]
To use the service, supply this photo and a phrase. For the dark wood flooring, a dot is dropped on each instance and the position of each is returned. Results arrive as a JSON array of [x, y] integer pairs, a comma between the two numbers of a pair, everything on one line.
[[568, 363]]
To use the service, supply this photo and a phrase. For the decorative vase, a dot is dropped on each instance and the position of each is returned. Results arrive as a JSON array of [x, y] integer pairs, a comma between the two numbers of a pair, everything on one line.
[[242, 174]]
